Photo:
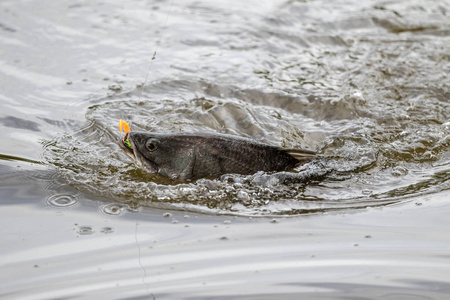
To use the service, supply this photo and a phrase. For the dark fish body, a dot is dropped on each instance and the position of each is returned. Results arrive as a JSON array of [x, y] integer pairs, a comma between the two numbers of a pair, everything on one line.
[[186, 156]]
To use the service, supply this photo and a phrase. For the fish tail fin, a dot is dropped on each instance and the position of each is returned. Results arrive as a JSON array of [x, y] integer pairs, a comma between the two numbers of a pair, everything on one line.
[[300, 155]]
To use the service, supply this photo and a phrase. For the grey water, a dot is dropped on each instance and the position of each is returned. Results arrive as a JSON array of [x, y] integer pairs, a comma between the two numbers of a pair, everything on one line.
[[364, 83]]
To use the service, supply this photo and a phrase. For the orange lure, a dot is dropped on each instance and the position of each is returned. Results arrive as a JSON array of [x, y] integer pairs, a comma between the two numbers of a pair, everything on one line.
[[123, 126]]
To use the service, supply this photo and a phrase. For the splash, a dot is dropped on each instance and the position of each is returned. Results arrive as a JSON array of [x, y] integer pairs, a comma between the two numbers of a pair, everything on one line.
[[368, 163]]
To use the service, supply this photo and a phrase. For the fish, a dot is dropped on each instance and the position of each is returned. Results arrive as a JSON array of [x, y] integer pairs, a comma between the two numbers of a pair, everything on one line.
[[191, 156]]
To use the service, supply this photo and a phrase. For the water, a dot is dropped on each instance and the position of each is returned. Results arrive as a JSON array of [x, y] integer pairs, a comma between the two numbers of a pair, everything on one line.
[[365, 83]]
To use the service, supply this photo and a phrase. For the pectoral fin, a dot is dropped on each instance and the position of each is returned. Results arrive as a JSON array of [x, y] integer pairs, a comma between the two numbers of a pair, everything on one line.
[[300, 155]]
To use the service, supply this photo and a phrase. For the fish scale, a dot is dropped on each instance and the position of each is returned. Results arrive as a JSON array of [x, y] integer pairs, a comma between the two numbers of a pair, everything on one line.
[[190, 156]]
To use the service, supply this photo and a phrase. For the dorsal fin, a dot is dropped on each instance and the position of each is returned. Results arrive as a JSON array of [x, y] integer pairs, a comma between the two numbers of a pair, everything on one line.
[[300, 155]]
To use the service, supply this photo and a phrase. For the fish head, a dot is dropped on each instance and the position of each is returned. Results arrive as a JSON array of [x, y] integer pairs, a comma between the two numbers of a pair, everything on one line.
[[157, 153]]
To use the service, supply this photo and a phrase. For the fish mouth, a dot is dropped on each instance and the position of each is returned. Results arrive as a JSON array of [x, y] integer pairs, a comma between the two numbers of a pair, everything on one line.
[[129, 146]]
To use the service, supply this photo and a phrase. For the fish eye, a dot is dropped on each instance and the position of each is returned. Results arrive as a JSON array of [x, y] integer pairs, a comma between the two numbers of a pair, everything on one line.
[[152, 145]]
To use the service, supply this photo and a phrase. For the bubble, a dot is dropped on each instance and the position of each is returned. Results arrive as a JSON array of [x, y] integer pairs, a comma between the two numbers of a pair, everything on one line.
[[107, 230], [115, 87], [446, 127], [367, 192], [243, 196], [62, 200], [113, 209], [399, 171], [85, 230], [133, 207]]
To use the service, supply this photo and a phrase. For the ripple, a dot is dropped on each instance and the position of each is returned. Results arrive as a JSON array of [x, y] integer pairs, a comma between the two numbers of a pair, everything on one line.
[[84, 230], [383, 134], [114, 209], [62, 200]]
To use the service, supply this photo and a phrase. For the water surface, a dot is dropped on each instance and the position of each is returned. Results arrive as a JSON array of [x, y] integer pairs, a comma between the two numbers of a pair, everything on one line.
[[364, 83]]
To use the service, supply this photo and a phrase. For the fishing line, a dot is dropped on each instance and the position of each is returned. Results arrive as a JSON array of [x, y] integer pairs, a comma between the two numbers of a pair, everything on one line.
[[140, 96], [154, 52], [147, 288]]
